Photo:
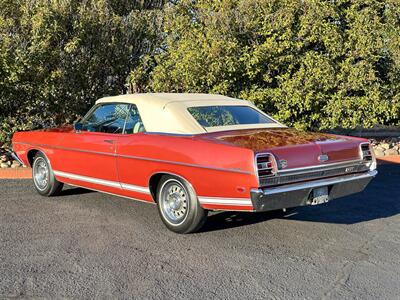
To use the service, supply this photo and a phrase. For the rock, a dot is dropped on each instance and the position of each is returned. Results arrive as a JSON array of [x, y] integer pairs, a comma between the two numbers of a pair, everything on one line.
[[391, 152], [15, 164], [379, 148], [4, 165], [385, 146], [379, 152], [3, 158]]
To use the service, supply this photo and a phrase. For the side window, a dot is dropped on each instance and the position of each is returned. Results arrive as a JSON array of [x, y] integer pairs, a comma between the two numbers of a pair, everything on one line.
[[134, 123], [108, 118]]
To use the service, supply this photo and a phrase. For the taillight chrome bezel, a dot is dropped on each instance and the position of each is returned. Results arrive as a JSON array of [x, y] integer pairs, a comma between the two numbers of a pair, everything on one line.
[[368, 156], [274, 164]]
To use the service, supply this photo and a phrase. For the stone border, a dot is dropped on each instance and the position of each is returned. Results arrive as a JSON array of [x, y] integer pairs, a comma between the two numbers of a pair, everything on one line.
[[16, 173], [386, 147], [392, 159]]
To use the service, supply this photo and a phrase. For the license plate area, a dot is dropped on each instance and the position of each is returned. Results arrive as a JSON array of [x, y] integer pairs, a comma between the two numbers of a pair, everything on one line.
[[319, 195]]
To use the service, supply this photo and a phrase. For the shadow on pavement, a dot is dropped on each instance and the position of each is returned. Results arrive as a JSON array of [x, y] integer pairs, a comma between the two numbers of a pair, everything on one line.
[[381, 199], [74, 191]]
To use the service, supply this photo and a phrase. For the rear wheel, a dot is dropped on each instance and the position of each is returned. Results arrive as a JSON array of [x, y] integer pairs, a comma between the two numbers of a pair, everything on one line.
[[43, 177], [178, 206]]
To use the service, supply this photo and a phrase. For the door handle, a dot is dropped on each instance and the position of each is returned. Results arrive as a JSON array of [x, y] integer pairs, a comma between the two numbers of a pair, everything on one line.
[[109, 141]]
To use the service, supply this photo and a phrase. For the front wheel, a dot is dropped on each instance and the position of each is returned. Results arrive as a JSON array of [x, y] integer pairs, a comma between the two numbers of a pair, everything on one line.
[[178, 206], [43, 177]]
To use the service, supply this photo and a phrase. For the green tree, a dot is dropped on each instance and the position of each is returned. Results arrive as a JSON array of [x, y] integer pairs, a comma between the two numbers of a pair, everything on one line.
[[58, 56], [312, 64]]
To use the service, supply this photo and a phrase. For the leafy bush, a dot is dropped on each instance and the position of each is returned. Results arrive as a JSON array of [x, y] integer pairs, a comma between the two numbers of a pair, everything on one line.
[[58, 57], [312, 64]]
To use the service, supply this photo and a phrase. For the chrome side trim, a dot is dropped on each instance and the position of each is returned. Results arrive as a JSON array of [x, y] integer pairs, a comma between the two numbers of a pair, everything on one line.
[[67, 149], [146, 190], [112, 194], [140, 158], [114, 184], [182, 164], [225, 201], [88, 179], [316, 167], [15, 157], [316, 183], [135, 188]]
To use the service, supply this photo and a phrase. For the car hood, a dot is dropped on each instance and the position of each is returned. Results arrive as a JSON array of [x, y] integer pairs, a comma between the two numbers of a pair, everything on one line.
[[298, 148]]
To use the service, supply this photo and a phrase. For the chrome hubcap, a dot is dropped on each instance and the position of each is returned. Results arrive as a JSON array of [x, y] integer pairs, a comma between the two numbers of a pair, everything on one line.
[[174, 202], [41, 173]]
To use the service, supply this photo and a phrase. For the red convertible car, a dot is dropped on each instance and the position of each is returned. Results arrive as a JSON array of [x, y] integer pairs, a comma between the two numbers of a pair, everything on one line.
[[191, 153]]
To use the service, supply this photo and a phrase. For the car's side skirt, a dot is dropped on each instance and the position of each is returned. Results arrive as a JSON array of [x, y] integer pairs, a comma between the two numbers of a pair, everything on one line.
[[125, 186], [217, 203], [120, 189], [113, 194]]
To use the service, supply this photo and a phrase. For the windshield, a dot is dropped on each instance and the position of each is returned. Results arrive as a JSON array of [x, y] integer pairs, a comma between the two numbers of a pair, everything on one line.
[[213, 116]]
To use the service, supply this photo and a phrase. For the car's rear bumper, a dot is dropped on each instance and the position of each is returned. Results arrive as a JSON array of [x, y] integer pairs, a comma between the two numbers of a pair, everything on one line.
[[299, 194]]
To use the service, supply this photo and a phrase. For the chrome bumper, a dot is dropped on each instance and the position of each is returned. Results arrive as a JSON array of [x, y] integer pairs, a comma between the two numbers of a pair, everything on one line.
[[299, 194]]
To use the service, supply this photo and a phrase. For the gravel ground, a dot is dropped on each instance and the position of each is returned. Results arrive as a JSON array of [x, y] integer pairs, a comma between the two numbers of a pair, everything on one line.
[[85, 244]]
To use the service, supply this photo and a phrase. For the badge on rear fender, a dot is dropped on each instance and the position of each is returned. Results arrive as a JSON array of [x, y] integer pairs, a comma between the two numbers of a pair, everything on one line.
[[323, 157], [283, 163]]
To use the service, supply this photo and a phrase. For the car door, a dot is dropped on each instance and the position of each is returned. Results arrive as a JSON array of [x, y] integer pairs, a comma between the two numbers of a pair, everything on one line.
[[89, 154], [133, 167]]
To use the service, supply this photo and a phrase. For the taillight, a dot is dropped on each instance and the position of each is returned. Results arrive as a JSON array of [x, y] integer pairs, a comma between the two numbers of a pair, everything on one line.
[[368, 155], [366, 152], [266, 165]]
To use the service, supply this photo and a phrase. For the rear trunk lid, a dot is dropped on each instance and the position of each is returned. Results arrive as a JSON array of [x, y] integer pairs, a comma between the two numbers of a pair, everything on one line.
[[292, 148]]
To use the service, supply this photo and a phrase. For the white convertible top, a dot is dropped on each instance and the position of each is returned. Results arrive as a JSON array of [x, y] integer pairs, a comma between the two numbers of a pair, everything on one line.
[[167, 112]]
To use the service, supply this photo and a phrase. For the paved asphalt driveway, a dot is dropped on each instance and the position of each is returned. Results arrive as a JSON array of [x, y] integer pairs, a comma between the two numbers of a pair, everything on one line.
[[85, 244]]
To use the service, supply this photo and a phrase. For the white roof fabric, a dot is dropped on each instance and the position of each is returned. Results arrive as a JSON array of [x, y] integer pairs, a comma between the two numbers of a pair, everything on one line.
[[167, 112]]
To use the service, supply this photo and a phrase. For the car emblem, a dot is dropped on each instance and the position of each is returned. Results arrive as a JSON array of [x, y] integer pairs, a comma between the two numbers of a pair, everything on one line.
[[323, 157], [283, 163]]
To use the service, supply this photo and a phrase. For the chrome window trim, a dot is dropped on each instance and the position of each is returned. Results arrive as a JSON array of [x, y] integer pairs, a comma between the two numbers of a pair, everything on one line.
[[94, 107], [132, 105], [230, 105]]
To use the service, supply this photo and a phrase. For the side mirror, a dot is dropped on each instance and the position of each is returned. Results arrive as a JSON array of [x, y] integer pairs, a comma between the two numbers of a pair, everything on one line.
[[78, 127]]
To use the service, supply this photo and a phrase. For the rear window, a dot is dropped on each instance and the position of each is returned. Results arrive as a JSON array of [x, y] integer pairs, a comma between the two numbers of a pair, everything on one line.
[[213, 116]]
